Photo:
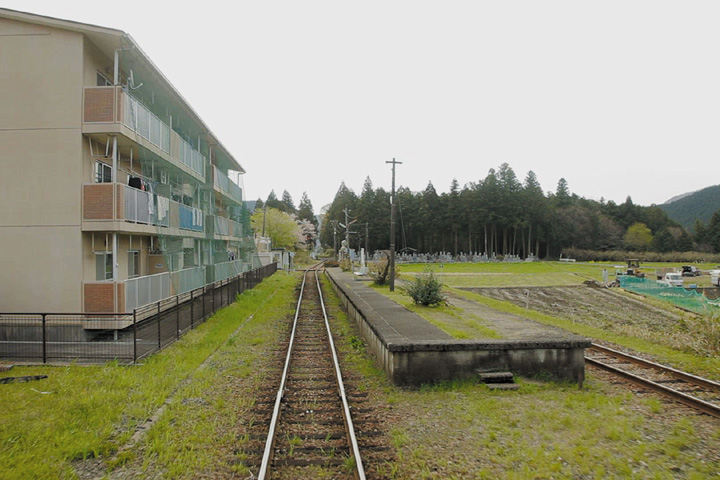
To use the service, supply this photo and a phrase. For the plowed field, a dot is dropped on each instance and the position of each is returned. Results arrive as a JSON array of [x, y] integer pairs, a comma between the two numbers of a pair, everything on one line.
[[609, 310]]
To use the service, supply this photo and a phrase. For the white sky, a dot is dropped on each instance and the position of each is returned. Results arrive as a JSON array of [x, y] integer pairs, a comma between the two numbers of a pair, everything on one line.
[[618, 97]]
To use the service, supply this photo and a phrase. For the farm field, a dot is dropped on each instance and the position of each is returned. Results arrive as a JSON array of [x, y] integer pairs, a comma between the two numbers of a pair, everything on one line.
[[554, 293], [534, 273]]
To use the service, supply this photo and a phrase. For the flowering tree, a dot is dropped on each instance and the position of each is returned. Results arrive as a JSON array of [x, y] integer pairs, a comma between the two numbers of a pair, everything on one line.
[[282, 228]]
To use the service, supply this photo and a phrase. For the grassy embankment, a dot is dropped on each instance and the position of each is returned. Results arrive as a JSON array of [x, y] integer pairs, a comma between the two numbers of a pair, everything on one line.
[[83, 412]]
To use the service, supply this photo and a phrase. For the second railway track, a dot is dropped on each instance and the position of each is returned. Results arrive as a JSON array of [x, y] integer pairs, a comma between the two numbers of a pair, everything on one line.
[[696, 392]]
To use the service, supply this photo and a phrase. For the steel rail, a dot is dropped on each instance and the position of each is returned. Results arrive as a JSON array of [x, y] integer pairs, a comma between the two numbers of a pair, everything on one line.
[[689, 377], [270, 442], [349, 427], [689, 400]]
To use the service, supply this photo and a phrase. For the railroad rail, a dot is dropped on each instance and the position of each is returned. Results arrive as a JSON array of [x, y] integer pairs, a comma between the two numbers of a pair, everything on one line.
[[311, 432], [696, 392]]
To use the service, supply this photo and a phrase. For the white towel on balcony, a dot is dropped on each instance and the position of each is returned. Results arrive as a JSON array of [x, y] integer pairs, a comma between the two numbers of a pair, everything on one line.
[[163, 207]]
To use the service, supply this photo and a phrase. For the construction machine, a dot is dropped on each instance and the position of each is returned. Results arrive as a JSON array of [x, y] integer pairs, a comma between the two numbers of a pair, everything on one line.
[[633, 268]]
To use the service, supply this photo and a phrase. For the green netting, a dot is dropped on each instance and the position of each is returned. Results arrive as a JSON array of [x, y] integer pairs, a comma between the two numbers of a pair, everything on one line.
[[678, 296]]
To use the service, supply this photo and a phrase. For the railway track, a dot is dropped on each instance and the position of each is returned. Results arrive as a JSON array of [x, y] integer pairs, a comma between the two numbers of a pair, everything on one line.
[[696, 392], [313, 426]]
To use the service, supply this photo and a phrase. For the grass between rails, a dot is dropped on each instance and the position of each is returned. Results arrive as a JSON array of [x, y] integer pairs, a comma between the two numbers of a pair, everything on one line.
[[90, 412]]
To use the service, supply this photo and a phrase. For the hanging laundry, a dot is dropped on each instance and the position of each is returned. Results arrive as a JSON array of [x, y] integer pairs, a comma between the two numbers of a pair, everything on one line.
[[163, 207]]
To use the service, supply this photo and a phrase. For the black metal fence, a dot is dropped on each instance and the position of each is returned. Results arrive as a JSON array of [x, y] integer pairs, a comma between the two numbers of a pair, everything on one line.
[[125, 337]]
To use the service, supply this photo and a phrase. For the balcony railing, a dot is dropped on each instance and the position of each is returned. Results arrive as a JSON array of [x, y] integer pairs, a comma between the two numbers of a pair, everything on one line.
[[236, 229], [145, 207], [221, 271], [226, 186], [144, 290], [112, 105], [190, 218], [146, 124], [222, 226], [188, 279], [138, 206]]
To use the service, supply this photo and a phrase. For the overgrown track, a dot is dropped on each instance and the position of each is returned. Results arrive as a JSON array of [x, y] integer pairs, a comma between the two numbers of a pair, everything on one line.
[[310, 432], [696, 392]]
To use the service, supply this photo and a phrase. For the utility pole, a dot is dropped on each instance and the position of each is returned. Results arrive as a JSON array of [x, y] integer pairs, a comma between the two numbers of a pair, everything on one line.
[[347, 232], [264, 215], [335, 249], [392, 227]]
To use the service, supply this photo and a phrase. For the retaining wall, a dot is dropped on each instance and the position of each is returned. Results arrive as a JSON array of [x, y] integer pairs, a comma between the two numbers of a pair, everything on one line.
[[414, 361]]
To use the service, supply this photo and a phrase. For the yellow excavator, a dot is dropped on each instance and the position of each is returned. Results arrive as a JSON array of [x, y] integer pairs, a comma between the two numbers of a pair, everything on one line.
[[633, 268]]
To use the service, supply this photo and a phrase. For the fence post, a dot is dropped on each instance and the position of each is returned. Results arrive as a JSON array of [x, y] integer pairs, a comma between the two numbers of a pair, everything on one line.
[[192, 309], [44, 339], [212, 297], [134, 335], [177, 316], [158, 329], [204, 296]]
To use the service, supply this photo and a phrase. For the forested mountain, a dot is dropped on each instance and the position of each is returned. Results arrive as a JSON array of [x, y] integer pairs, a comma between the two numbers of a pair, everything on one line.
[[502, 215], [699, 205]]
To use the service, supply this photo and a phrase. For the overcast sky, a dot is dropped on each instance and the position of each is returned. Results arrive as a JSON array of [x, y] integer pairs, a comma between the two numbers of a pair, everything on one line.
[[618, 97]]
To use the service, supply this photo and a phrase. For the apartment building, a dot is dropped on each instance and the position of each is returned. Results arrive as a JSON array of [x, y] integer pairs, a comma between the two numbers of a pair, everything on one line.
[[114, 192]]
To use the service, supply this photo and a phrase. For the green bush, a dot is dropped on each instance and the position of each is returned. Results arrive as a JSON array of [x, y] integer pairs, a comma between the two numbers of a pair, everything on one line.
[[426, 289]]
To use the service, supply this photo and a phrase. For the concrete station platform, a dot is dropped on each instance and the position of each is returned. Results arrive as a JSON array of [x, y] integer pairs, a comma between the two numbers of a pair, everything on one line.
[[412, 351]]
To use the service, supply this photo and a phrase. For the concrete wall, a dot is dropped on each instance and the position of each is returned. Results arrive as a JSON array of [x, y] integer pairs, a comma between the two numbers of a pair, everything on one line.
[[40, 153], [417, 362]]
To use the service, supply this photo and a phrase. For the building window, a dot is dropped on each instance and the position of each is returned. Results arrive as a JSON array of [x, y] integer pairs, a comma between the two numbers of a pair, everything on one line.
[[103, 266], [102, 80], [103, 172], [133, 263]]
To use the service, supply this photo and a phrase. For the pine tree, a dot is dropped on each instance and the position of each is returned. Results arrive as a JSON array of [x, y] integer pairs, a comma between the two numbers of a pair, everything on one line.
[[305, 210], [287, 201], [273, 202]]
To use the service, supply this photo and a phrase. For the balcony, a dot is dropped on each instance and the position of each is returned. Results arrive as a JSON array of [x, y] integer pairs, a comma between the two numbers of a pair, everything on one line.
[[111, 105], [124, 296], [221, 271], [117, 202], [227, 187], [218, 225], [141, 291]]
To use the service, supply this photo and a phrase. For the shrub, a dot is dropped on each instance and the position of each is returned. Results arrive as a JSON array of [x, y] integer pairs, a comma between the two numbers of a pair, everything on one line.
[[380, 272], [426, 289], [345, 265]]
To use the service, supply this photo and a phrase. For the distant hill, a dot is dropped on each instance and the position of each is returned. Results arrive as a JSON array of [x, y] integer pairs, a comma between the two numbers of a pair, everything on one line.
[[687, 208], [678, 197]]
